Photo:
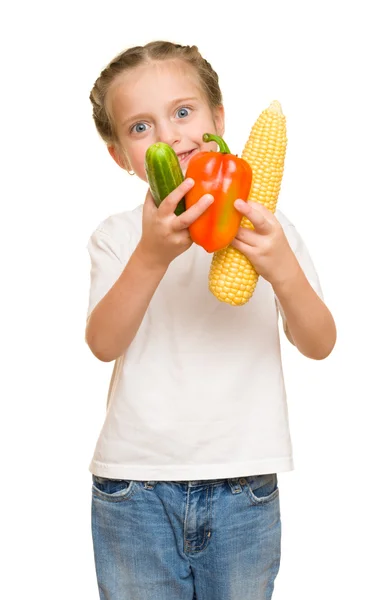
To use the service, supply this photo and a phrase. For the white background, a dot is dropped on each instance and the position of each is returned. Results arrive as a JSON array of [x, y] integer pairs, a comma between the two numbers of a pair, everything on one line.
[[322, 62]]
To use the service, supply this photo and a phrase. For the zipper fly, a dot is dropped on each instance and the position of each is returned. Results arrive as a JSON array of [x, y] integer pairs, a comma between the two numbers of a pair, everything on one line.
[[197, 521]]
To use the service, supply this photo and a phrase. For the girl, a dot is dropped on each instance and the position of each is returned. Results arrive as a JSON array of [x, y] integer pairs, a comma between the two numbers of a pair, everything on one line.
[[185, 499]]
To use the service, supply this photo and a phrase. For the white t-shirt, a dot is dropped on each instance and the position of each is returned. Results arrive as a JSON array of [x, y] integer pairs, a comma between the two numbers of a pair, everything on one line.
[[199, 393]]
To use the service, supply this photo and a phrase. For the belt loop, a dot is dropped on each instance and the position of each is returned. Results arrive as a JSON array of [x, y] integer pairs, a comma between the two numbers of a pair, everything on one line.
[[235, 486], [149, 485]]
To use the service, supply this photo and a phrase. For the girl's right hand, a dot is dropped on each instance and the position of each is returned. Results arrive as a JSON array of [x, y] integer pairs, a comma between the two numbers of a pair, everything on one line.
[[165, 235]]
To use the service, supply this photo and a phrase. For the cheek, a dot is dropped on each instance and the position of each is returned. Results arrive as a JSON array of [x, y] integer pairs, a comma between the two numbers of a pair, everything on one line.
[[208, 127], [139, 164], [137, 159], [208, 146]]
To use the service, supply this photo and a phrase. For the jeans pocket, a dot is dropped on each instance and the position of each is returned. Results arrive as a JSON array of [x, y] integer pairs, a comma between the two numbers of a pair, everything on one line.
[[262, 488], [113, 490]]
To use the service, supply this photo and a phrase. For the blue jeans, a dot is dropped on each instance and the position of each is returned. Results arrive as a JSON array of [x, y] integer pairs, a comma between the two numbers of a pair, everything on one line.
[[207, 540]]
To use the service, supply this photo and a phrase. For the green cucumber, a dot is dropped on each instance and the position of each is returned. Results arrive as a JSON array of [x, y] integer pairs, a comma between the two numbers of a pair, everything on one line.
[[164, 173]]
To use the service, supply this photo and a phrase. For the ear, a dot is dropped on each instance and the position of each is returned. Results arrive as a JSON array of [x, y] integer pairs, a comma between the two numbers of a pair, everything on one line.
[[219, 120], [116, 155]]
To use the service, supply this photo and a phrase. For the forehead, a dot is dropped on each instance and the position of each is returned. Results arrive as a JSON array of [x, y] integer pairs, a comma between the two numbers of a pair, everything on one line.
[[157, 83]]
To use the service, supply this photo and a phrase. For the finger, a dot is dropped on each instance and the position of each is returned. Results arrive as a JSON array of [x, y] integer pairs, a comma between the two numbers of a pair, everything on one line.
[[191, 214], [149, 203], [241, 246], [261, 208], [171, 201], [260, 217], [248, 236]]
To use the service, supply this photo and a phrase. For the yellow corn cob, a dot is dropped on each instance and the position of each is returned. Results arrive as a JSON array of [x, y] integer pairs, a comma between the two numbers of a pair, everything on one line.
[[232, 278]]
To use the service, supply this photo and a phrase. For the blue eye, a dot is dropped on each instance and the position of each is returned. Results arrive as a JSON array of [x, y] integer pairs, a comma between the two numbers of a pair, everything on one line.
[[140, 126], [183, 110]]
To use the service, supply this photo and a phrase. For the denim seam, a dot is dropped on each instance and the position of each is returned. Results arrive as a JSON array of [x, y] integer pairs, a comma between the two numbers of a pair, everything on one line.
[[200, 547], [110, 498], [259, 501], [215, 484], [209, 520], [185, 521]]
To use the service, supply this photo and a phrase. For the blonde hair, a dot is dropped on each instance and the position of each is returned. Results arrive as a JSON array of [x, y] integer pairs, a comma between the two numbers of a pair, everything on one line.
[[138, 55]]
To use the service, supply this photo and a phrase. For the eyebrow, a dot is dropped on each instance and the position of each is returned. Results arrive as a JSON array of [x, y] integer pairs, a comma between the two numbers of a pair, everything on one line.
[[171, 104]]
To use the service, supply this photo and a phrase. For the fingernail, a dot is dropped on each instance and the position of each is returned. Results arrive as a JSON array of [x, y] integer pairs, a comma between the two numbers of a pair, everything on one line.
[[189, 182], [239, 203], [209, 199]]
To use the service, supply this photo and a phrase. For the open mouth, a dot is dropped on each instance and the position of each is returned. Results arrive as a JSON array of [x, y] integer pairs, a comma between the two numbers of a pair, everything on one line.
[[185, 155]]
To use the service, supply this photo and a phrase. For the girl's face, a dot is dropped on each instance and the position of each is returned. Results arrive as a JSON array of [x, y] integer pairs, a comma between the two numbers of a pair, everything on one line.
[[161, 102]]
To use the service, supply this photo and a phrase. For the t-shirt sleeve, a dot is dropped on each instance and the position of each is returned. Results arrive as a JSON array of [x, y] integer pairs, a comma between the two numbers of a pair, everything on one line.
[[305, 261], [106, 266]]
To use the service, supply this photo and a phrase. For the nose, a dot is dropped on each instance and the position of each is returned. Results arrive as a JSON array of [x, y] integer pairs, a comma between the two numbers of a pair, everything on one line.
[[168, 133]]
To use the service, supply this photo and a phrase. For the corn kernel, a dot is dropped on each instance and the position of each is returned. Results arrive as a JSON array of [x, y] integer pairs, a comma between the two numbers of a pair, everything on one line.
[[265, 152]]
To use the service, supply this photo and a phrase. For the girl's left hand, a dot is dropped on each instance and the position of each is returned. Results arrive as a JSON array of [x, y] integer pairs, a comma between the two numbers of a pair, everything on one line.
[[266, 246]]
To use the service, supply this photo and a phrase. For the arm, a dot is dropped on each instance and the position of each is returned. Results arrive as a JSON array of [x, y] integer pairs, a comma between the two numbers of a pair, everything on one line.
[[310, 325], [115, 320], [111, 327]]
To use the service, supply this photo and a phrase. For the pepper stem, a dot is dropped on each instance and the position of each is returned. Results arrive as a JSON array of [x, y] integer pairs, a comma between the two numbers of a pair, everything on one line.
[[210, 137]]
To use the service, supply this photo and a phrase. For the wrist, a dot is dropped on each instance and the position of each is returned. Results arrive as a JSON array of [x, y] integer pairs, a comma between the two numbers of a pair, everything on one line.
[[289, 278], [149, 260]]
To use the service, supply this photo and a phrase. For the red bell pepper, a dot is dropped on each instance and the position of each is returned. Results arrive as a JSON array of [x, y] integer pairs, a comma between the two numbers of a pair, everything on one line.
[[227, 178]]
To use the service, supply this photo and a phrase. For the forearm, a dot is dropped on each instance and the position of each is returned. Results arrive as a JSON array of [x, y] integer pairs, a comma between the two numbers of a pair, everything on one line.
[[309, 321], [116, 319]]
